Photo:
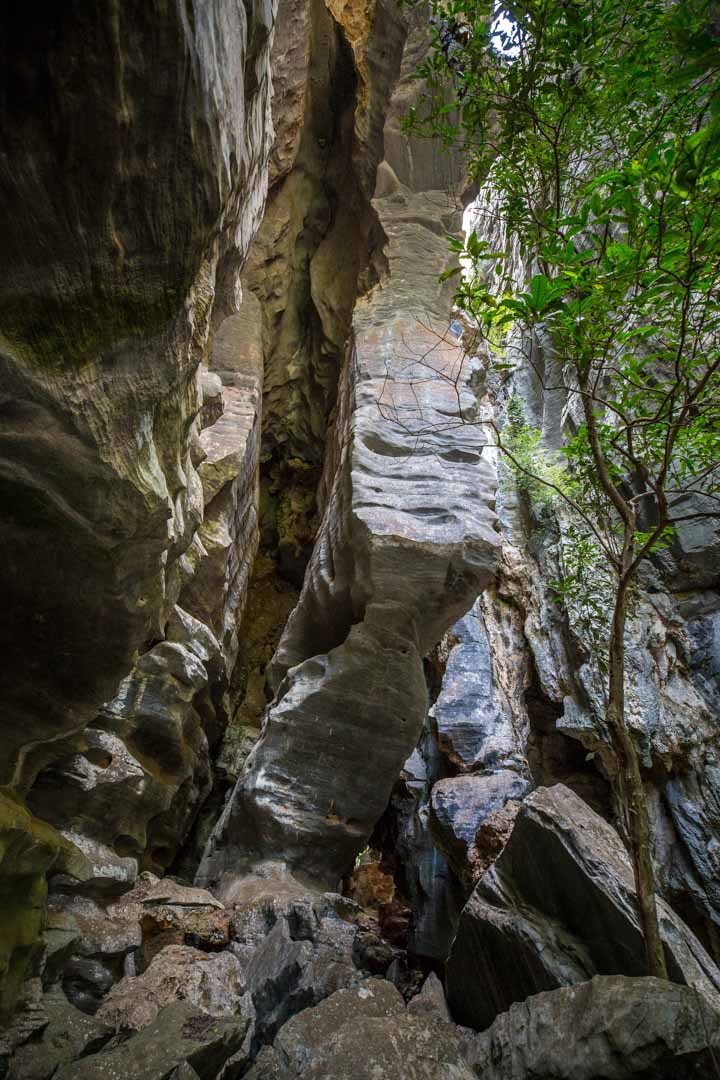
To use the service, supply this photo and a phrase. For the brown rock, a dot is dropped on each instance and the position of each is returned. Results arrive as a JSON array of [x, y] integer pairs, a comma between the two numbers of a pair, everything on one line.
[[210, 982]]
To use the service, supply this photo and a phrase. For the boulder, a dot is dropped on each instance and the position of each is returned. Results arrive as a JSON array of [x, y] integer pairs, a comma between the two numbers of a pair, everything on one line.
[[476, 720], [69, 1034], [300, 1040], [612, 1027], [460, 804], [430, 1001], [364, 1033], [211, 982], [179, 1036], [557, 907], [177, 914], [86, 981], [300, 950]]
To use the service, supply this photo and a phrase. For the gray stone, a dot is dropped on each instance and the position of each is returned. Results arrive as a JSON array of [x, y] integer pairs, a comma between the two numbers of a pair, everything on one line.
[[211, 982], [86, 982], [406, 543], [69, 1034], [431, 1000], [179, 1035], [460, 805], [364, 1033], [299, 1041], [557, 907], [611, 1027], [474, 716]]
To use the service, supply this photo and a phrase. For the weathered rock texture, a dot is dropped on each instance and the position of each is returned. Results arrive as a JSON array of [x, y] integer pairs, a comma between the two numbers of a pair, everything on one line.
[[188, 378], [131, 163], [557, 907], [133, 170], [612, 1027], [516, 690], [407, 541], [334, 65], [367, 1034]]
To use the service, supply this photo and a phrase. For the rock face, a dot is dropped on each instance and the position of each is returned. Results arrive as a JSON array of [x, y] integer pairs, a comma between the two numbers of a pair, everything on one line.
[[134, 152], [557, 907], [269, 600], [612, 1027], [108, 278], [406, 542]]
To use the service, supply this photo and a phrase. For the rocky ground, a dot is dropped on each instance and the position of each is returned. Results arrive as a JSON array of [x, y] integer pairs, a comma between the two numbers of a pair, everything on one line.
[[303, 770]]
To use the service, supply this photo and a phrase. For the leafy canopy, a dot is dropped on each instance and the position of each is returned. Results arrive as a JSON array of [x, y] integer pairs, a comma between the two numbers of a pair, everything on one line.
[[595, 127]]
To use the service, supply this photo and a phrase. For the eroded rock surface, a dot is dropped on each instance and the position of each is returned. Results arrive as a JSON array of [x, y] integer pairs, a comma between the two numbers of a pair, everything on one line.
[[366, 1033], [406, 543], [109, 274], [612, 1026], [557, 907], [134, 151], [180, 1036]]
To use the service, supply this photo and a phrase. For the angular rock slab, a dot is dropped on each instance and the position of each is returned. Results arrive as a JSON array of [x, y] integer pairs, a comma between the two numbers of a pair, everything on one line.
[[612, 1027], [556, 908], [477, 726], [407, 542], [364, 1033], [335, 739], [460, 805], [180, 1035], [210, 982]]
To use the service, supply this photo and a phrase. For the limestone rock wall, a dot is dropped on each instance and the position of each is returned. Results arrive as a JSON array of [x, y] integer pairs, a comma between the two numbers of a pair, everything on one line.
[[406, 542], [134, 144], [335, 65], [520, 704], [255, 546]]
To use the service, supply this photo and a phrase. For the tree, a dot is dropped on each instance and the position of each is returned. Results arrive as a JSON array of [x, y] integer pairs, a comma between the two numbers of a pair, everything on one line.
[[595, 126]]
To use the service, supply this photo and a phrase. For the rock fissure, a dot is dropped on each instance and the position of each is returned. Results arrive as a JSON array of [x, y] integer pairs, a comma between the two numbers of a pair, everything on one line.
[[304, 770]]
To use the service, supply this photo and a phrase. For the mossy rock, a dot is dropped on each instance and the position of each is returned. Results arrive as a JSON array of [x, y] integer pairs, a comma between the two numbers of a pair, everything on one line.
[[28, 849]]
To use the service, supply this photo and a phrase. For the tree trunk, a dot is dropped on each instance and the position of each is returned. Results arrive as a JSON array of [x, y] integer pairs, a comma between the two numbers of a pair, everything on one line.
[[630, 789]]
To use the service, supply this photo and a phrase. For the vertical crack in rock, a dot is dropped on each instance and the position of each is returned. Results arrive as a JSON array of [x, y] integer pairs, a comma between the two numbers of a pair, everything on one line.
[[334, 67], [407, 541]]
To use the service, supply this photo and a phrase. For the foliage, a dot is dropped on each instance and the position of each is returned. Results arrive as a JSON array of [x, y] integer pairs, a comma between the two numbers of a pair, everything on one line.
[[534, 469], [595, 128]]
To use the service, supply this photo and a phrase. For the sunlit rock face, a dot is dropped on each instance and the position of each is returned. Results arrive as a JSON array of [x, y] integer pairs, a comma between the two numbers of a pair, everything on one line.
[[407, 541]]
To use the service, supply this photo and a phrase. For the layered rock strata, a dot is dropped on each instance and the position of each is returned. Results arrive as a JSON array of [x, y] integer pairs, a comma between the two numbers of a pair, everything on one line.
[[134, 149], [406, 543]]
